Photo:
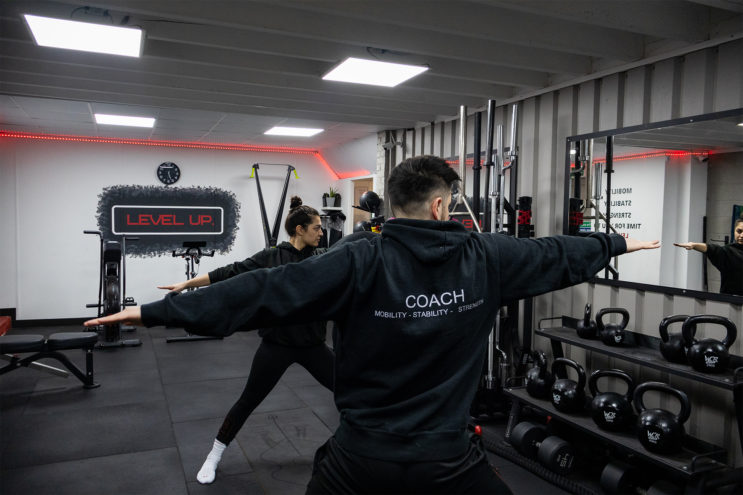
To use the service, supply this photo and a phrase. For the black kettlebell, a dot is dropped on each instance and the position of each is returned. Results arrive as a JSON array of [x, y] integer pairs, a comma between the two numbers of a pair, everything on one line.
[[586, 327], [659, 430], [672, 345], [612, 333], [708, 355], [538, 379], [568, 396], [610, 410]]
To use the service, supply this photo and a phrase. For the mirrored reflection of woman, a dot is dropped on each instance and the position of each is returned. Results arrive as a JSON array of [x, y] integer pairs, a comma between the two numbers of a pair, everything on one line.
[[728, 259]]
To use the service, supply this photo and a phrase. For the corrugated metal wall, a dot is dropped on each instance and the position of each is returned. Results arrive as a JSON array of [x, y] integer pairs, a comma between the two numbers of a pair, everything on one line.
[[705, 81]]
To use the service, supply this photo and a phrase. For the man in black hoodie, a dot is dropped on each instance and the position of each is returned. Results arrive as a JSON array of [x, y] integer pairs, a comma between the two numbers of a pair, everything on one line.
[[414, 308]]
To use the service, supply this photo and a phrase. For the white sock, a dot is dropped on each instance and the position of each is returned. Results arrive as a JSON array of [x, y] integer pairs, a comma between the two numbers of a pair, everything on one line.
[[208, 471]]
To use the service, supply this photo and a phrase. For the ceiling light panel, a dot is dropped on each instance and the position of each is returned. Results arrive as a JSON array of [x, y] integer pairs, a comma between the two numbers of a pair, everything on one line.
[[102, 118], [85, 36], [373, 72], [292, 131]]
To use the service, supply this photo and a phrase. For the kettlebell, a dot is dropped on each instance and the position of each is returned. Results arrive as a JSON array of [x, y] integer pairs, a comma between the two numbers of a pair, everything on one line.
[[568, 396], [586, 327], [672, 346], [610, 410], [659, 430], [538, 379], [708, 355], [612, 333]]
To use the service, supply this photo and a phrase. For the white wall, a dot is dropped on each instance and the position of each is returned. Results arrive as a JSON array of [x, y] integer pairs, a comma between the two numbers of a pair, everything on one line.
[[684, 208], [8, 225], [49, 195], [359, 154], [637, 211]]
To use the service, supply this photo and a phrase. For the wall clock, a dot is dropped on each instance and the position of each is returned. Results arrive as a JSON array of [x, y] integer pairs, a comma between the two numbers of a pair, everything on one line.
[[168, 173]]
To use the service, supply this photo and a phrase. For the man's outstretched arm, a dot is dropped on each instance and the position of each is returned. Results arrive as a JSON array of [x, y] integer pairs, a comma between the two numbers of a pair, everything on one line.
[[313, 290], [529, 267]]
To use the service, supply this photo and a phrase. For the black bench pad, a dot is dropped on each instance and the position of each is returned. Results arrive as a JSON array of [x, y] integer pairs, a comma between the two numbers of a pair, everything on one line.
[[10, 344], [71, 340], [42, 348]]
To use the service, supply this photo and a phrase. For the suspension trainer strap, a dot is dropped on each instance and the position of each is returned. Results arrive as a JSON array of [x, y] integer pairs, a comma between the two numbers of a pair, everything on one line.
[[264, 217], [277, 222]]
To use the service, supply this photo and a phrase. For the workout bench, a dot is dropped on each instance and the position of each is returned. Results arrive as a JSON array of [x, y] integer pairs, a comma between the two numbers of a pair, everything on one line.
[[48, 347]]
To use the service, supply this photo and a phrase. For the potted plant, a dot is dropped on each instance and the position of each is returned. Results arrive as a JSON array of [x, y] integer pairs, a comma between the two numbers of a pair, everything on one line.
[[331, 198]]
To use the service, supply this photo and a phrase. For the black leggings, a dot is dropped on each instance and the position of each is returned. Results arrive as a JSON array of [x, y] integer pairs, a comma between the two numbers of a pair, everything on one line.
[[269, 363]]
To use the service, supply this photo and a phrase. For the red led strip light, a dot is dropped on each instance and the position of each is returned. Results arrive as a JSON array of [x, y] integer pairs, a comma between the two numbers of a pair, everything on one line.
[[185, 144], [340, 175], [468, 161], [166, 144], [651, 154], [471, 161]]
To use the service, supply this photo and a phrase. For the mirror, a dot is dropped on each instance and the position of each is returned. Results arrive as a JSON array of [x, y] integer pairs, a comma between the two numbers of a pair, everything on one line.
[[677, 181]]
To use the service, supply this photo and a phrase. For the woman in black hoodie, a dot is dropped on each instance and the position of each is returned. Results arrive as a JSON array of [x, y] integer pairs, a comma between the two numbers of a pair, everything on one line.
[[302, 343]]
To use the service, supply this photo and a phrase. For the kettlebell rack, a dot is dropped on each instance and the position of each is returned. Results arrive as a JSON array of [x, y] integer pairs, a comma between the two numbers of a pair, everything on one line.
[[696, 459]]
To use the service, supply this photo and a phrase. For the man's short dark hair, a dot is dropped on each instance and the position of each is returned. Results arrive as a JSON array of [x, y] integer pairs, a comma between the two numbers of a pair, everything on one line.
[[416, 180]]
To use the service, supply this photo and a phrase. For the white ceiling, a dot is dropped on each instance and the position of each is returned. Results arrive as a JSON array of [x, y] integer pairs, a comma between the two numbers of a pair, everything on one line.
[[226, 71]]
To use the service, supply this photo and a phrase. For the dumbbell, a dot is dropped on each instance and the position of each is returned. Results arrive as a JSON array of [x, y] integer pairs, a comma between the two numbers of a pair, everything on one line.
[[552, 452], [618, 477]]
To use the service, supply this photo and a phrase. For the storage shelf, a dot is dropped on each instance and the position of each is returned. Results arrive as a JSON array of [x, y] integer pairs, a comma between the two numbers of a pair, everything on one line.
[[687, 463], [644, 356]]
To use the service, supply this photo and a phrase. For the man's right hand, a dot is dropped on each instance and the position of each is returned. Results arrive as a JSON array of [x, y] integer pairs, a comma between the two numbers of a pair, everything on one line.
[[179, 287], [636, 245]]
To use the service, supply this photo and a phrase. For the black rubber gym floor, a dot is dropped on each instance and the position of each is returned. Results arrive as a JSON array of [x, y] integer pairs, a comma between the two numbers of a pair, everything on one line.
[[151, 423]]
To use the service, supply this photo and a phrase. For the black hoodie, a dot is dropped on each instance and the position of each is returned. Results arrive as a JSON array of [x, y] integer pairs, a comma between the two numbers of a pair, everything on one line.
[[729, 260], [300, 335], [414, 308]]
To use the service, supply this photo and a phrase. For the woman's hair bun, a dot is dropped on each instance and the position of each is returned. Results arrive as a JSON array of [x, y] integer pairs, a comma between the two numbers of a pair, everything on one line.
[[295, 201]]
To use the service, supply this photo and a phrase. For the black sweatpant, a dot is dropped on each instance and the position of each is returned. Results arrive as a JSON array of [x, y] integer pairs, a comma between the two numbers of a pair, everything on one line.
[[269, 363], [337, 471]]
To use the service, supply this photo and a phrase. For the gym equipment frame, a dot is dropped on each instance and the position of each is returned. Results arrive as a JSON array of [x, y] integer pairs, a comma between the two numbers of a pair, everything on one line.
[[271, 236], [503, 339], [112, 291], [192, 254]]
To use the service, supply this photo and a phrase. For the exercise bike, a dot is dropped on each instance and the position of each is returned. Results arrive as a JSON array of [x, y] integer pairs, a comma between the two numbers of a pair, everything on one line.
[[112, 291], [192, 254]]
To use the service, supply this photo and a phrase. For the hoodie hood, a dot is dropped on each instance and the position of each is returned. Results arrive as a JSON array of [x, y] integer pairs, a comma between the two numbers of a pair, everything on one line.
[[430, 241]]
